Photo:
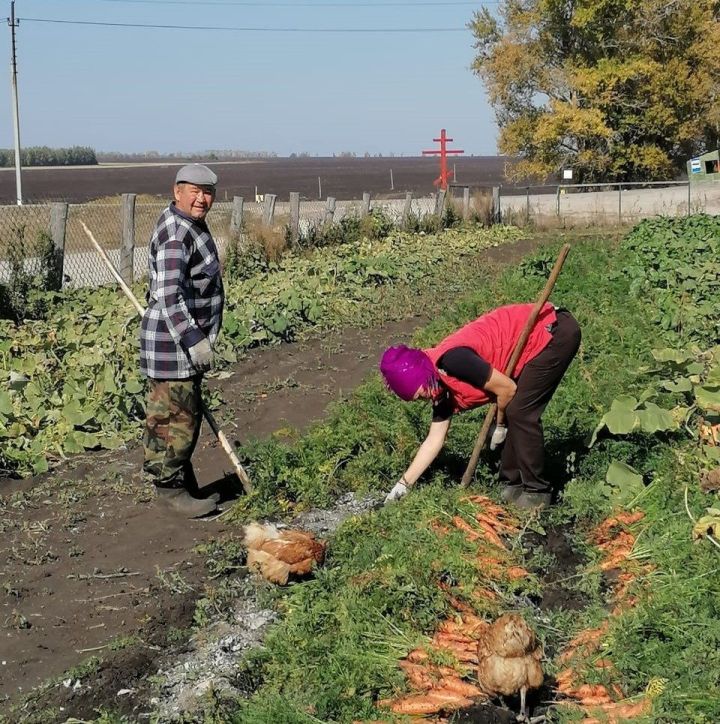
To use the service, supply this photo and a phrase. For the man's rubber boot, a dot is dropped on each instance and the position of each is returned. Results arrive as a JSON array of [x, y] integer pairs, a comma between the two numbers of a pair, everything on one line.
[[529, 500], [179, 500], [510, 493]]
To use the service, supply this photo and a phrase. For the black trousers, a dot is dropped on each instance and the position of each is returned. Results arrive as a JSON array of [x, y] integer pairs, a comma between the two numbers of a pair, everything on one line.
[[523, 455]]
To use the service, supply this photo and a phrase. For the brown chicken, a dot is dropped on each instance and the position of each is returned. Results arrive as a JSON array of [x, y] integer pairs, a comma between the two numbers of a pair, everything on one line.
[[509, 659], [277, 554]]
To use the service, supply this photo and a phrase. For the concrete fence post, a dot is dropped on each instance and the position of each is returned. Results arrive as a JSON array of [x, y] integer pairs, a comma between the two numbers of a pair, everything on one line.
[[365, 209], [497, 211], [527, 205], [557, 202], [466, 203], [619, 203], [330, 210], [407, 208], [269, 209], [236, 220], [440, 202], [294, 216], [58, 228], [127, 245]]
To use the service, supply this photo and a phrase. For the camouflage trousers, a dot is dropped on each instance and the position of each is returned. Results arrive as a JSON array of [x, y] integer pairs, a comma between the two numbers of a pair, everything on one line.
[[172, 425]]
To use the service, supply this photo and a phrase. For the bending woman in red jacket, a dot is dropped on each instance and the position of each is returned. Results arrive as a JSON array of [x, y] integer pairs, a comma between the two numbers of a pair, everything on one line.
[[464, 372]]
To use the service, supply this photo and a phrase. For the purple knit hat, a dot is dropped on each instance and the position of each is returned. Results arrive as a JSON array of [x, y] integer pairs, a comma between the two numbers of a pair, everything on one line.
[[406, 370]]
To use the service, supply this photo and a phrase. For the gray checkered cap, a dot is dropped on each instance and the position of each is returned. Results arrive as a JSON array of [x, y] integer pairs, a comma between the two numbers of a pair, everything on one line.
[[196, 173]]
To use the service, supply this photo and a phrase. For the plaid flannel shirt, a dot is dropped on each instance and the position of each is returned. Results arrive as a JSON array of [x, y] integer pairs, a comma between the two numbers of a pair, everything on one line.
[[185, 298]]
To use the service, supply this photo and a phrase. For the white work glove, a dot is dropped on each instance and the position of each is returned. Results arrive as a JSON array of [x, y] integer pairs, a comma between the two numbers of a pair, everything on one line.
[[398, 491], [498, 436], [201, 356]]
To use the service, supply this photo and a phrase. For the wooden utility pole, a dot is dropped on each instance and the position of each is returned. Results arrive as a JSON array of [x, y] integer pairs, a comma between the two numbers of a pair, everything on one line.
[[16, 115]]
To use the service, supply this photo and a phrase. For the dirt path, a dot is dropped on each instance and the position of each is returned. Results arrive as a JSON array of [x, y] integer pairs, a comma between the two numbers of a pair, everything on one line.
[[90, 562]]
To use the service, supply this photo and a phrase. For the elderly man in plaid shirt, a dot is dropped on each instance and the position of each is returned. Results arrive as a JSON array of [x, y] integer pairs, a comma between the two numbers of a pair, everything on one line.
[[179, 328]]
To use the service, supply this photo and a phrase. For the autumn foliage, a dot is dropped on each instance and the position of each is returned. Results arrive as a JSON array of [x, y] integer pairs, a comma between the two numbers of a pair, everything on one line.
[[617, 90]]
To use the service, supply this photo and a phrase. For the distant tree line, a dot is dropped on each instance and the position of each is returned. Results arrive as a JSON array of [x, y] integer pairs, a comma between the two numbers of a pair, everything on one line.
[[45, 156], [210, 155]]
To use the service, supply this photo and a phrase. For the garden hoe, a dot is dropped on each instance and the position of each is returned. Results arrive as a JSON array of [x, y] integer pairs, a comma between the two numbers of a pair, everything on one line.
[[519, 346], [219, 434]]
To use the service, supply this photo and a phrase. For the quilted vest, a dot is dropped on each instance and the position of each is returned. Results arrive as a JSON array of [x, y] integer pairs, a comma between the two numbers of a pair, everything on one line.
[[493, 337]]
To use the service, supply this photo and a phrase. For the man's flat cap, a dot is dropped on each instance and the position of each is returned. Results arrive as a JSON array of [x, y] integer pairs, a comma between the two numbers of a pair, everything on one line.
[[196, 173]]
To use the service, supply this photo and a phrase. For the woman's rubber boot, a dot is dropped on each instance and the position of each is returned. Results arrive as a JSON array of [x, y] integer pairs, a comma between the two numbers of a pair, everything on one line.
[[530, 500], [180, 501], [510, 493]]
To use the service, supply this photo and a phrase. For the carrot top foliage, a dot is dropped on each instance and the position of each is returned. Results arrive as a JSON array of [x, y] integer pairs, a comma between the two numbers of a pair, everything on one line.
[[335, 651]]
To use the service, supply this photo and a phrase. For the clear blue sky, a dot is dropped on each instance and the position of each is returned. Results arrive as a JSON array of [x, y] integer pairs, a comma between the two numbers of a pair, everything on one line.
[[137, 89]]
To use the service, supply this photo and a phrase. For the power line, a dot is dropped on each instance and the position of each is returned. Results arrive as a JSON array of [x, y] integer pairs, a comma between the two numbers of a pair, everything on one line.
[[230, 28], [362, 4]]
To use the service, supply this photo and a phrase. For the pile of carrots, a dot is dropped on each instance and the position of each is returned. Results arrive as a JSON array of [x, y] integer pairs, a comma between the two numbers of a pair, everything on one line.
[[603, 703], [442, 688], [445, 688]]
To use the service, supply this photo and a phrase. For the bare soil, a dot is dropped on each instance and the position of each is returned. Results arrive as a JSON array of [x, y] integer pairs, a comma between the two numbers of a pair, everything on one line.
[[343, 178], [91, 566]]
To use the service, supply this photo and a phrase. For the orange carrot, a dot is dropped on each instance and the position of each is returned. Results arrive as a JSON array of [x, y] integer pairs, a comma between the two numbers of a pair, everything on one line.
[[495, 523], [473, 622], [452, 626], [456, 684], [479, 499], [621, 540], [491, 535], [484, 593], [419, 704], [466, 528], [615, 561], [454, 638], [515, 573], [595, 701], [630, 518], [448, 699], [593, 691], [590, 635], [565, 676], [417, 656], [418, 675]]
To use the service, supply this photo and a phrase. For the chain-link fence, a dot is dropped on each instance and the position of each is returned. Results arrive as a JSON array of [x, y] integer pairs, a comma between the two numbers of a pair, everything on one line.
[[35, 239], [47, 241]]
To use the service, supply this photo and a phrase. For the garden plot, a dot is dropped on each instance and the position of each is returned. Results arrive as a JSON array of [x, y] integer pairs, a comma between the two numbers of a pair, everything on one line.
[[611, 581], [89, 518]]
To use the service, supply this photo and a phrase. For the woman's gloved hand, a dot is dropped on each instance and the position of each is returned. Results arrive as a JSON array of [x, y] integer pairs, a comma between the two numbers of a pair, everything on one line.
[[498, 436], [399, 490]]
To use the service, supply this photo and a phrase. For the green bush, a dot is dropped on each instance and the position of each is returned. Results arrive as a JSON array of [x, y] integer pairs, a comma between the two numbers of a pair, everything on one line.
[[32, 272]]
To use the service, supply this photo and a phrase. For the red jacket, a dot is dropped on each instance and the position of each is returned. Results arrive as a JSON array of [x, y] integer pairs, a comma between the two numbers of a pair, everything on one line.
[[493, 336]]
